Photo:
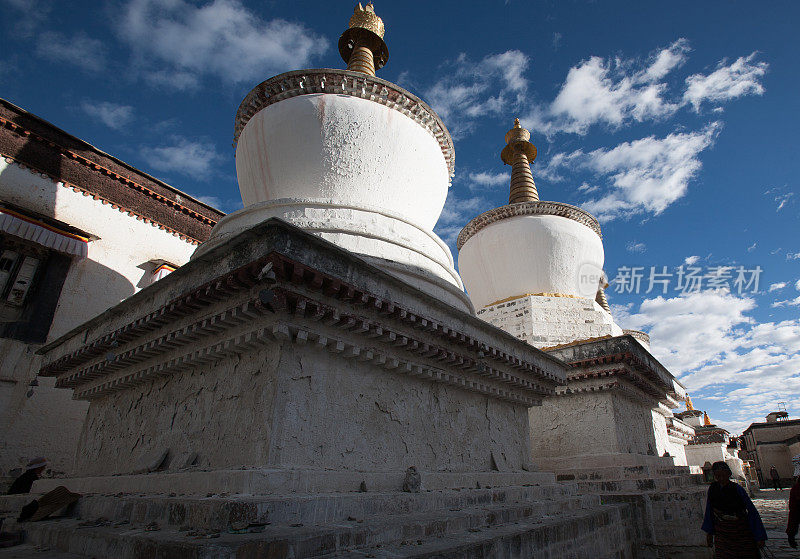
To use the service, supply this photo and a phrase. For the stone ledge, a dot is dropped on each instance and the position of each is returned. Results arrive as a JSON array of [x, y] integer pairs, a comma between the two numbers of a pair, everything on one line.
[[287, 482]]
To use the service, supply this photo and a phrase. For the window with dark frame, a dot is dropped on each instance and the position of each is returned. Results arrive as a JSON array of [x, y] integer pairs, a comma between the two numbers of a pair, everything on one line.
[[31, 278]]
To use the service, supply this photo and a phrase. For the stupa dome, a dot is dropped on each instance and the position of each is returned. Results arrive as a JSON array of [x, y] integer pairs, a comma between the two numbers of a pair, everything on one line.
[[529, 247], [352, 158]]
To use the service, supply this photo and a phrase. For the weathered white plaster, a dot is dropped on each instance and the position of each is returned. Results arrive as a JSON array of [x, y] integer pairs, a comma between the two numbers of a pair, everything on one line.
[[48, 422], [374, 376], [300, 407], [531, 254], [544, 321], [383, 237], [355, 172], [699, 454], [336, 147], [590, 429]]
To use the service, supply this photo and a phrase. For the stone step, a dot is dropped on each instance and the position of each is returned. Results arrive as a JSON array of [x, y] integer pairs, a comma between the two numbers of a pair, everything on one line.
[[124, 540], [217, 512], [266, 481], [595, 534], [27, 551], [625, 472], [636, 485]]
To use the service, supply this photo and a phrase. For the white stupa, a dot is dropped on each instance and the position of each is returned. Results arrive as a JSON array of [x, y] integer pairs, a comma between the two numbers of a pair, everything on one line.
[[352, 158], [534, 268]]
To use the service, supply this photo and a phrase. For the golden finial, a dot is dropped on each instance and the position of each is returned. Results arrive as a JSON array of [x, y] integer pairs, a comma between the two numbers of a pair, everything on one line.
[[520, 153], [706, 420], [689, 406], [362, 45]]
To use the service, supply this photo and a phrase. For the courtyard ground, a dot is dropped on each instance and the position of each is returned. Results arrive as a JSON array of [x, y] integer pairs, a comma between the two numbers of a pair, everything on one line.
[[774, 509]]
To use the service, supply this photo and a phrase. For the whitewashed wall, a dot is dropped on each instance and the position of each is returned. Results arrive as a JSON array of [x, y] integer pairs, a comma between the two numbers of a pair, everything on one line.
[[48, 422]]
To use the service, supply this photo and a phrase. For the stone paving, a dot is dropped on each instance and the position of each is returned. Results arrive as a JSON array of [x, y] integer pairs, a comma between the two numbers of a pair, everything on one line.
[[774, 509]]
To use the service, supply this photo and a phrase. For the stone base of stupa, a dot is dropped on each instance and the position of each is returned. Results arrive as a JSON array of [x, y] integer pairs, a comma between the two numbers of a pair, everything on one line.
[[279, 351], [608, 414], [283, 389]]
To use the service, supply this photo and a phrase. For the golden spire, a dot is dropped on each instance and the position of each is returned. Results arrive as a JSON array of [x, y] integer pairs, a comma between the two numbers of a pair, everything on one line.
[[520, 153], [361, 45], [689, 406], [706, 420]]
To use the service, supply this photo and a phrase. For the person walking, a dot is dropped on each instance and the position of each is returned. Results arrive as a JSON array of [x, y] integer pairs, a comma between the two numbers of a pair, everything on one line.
[[776, 477], [732, 524]]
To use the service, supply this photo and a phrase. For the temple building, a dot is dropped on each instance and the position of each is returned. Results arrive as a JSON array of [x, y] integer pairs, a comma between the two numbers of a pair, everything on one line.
[[710, 442], [68, 212], [312, 379], [773, 442]]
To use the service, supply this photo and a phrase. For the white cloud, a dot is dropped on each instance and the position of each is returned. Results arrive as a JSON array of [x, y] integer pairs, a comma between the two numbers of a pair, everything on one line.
[[727, 82], [782, 200], [681, 340], [797, 285], [788, 303], [195, 159], [221, 38], [777, 286], [793, 256], [717, 350], [633, 246], [80, 50], [31, 14], [494, 85], [227, 205], [456, 213], [490, 179], [643, 176], [752, 247], [611, 92], [691, 260], [617, 91], [111, 114]]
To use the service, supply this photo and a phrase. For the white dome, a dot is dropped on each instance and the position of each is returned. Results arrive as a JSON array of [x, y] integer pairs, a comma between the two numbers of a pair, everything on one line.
[[353, 159], [529, 254], [335, 147]]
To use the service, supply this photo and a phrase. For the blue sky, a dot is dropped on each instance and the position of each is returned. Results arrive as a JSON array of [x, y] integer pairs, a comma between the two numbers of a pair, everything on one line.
[[674, 123]]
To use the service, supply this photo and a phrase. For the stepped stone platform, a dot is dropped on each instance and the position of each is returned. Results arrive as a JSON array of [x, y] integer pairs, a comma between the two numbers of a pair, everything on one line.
[[619, 512], [548, 520], [668, 502]]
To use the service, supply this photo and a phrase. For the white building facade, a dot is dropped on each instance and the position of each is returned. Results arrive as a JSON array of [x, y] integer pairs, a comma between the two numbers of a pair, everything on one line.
[[79, 232]]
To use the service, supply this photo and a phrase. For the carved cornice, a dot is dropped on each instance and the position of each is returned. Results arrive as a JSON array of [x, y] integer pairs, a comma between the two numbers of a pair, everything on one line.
[[626, 373], [527, 208], [619, 386], [309, 307], [104, 201], [344, 82]]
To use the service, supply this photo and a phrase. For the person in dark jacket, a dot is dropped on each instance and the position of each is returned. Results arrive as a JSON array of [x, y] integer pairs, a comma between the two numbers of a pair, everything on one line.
[[776, 477], [732, 524], [33, 470], [794, 505]]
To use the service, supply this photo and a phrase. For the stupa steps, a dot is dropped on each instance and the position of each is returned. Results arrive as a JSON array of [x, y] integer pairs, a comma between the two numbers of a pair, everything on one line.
[[543, 524], [218, 511], [595, 534], [28, 551]]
